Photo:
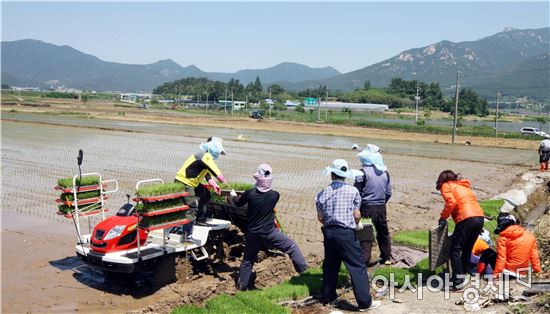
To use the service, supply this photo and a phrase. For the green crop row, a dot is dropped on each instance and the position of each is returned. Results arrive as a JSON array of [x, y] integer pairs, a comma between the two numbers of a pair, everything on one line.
[[162, 219], [160, 189], [68, 182], [154, 206], [81, 196]]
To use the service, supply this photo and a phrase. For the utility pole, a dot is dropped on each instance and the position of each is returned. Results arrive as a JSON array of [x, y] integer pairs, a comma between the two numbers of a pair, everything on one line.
[[270, 102], [417, 98], [225, 102], [319, 107], [496, 115], [232, 102], [456, 105], [206, 107], [326, 104]]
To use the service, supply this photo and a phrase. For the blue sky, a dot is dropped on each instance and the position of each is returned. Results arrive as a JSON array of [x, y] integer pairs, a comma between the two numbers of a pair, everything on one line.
[[226, 37]]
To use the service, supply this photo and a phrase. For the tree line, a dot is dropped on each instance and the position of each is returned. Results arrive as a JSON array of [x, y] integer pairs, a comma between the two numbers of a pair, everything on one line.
[[399, 93]]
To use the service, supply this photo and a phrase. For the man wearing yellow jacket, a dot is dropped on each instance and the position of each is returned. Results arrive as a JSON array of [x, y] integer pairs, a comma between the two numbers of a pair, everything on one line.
[[200, 168]]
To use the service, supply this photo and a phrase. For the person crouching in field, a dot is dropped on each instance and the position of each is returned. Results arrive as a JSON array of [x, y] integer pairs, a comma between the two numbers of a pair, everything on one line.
[[462, 205], [261, 231], [338, 210], [516, 247]]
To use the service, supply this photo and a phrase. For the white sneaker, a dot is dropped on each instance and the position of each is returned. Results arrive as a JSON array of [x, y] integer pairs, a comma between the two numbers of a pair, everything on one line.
[[374, 305]]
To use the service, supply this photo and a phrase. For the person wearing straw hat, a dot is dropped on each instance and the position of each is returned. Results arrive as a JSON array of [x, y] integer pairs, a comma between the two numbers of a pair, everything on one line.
[[374, 185], [260, 228], [338, 210], [200, 167]]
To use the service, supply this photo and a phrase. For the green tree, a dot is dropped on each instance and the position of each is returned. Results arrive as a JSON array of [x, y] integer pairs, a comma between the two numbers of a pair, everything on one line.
[[258, 85], [366, 86], [276, 89]]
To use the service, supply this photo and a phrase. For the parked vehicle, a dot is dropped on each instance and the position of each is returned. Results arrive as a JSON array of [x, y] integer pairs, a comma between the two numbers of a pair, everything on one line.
[[533, 131]]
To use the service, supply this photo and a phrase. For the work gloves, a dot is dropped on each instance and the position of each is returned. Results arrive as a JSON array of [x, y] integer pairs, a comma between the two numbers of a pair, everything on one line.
[[442, 222], [215, 186], [233, 193]]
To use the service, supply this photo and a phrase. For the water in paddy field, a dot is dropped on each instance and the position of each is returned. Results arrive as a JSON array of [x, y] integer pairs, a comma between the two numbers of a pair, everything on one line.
[[402, 147], [35, 155]]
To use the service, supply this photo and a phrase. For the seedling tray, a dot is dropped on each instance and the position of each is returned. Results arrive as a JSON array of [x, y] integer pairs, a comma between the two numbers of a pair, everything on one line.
[[159, 198], [166, 225], [84, 214], [84, 188], [164, 211], [81, 202]]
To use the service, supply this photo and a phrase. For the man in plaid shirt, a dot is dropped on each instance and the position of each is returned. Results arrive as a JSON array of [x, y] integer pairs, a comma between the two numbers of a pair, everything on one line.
[[338, 210]]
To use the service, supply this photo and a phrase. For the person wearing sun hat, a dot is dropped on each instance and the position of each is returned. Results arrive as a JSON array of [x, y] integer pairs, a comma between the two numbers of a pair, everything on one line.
[[338, 211], [198, 168], [260, 228], [374, 185]]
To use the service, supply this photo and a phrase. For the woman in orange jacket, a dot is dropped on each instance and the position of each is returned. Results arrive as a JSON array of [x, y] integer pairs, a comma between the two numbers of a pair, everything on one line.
[[516, 247], [462, 205]]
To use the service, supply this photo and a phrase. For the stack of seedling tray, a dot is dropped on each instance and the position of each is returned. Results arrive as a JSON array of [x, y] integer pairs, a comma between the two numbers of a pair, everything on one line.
[[89, 196], [162, 206], [226, 210]]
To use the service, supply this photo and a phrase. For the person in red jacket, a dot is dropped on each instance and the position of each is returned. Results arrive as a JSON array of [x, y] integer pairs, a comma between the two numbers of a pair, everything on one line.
[[516, 247], [462, 205]]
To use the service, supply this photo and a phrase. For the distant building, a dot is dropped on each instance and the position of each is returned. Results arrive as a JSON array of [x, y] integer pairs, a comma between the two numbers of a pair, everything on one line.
[[134, 98], [354, 106], [237, 104], [292, 104]]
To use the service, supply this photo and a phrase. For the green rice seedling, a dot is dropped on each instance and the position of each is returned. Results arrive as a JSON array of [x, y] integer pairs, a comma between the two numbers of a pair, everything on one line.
[[68, 182], [162, 219], [237, 186], [413, 238], [160, 189], [81, 196], [154, 206]]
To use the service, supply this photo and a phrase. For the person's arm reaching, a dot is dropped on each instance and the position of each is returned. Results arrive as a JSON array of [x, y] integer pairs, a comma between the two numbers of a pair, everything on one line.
[[357, 206], [501, 256], [240, 201]]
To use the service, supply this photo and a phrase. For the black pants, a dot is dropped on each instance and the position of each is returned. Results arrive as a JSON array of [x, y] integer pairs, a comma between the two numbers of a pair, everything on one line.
[[275, 238], [462, 243], [342, 245], [198, 199], [379, 219], [488, 257]]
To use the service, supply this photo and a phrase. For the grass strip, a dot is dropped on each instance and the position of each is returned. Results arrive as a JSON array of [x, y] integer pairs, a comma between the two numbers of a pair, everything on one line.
[[400, 274], [68, 182], [265, 300], [81, 196], [160, 189], [154, 206], [162, 219]]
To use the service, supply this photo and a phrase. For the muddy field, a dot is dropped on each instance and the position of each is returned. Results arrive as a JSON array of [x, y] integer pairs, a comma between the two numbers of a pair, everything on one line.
[[34, 155]]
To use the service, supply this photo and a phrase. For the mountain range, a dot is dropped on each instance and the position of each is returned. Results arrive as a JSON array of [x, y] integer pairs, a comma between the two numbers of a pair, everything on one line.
[[516, 62]]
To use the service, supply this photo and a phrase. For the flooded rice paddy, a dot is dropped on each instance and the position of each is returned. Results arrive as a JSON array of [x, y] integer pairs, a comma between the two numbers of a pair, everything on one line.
[[35, 155]]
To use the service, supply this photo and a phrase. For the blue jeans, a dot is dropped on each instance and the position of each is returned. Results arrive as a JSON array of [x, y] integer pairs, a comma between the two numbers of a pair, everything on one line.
[[342, 245]]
